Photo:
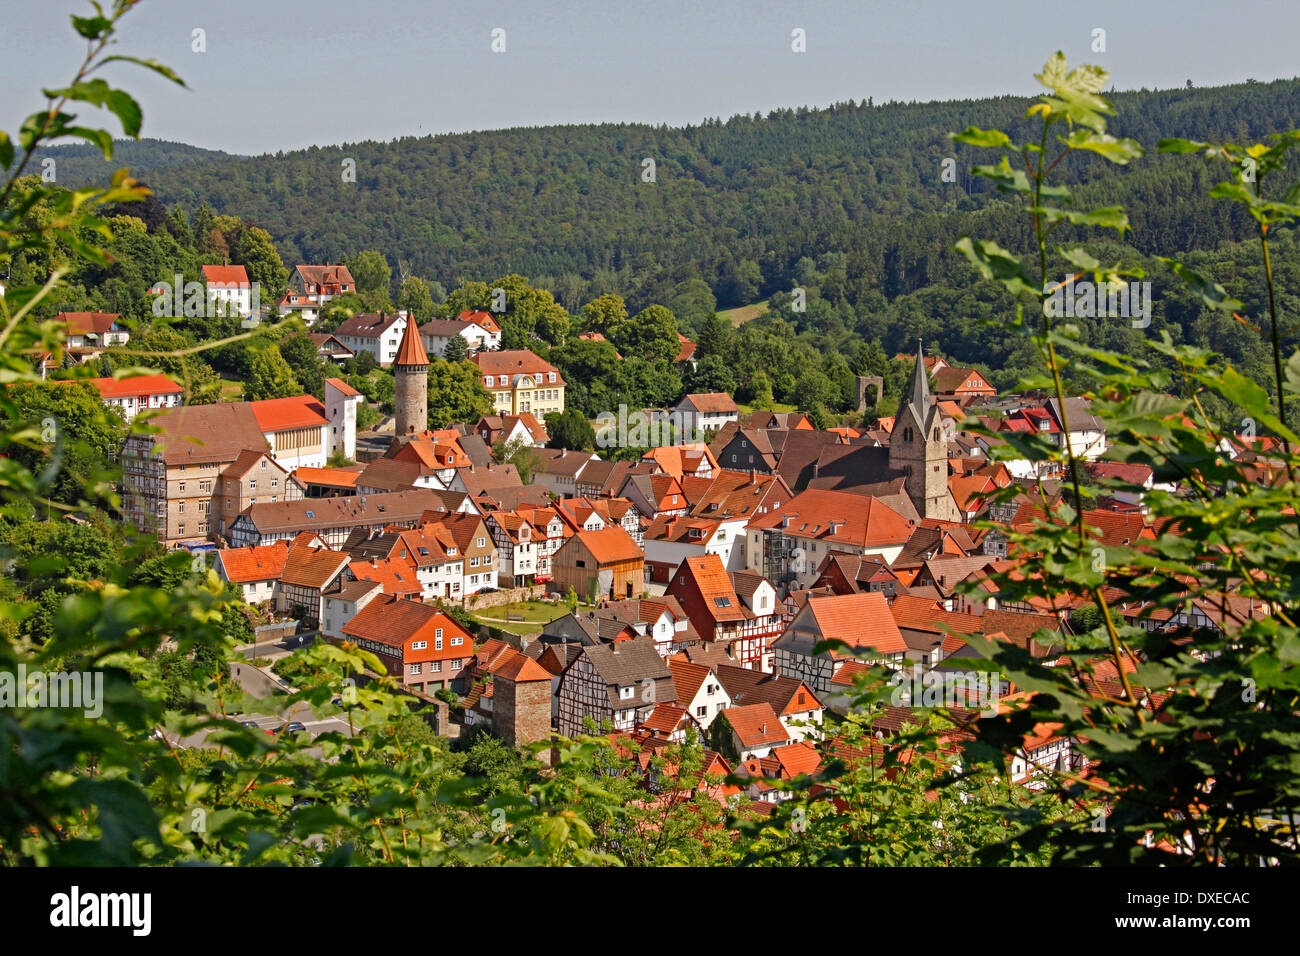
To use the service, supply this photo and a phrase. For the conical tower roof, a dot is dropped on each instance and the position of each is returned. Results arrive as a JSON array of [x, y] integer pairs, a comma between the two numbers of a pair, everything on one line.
[[412, 350]]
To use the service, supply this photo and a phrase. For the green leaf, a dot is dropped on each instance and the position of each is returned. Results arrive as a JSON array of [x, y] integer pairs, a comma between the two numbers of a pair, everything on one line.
[[92, 28], [1177, 145], [151, 64], [997, 263], [6, 150], [127, 110], [1118, 151], [974, 136], [1211, 293]]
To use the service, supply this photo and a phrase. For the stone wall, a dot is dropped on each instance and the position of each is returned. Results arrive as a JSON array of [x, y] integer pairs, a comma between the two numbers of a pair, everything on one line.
[[476, 602]]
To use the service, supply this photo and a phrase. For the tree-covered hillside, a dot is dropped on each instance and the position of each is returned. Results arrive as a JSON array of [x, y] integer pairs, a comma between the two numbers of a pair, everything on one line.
[[735, 203]]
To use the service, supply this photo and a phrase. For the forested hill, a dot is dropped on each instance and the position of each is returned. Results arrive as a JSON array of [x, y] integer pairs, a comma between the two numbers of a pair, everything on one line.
[[736, 203], [81, 164]]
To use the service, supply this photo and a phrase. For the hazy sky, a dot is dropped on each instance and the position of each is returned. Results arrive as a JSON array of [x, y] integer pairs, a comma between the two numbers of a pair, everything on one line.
[[282, 74]]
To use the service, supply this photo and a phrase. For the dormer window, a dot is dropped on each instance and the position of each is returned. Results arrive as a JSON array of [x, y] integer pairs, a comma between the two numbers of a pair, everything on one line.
[[550, 377], [490, 380]]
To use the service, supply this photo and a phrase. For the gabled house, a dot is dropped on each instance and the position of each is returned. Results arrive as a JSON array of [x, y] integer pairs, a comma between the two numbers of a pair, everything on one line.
[[229, 289], [93, 330], [749, 731], [310, 569], [320, 284], [788, 544], [700, 691], [704, 412], [862, 622], [417, 643], [793, 701], [255, 571], [606, 562], [480, 331], [620, 683], [378, 333]]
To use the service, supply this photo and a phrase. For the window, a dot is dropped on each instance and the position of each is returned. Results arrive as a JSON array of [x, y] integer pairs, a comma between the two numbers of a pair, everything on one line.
[[252, 485], [437, 643], [438, 633], [455, 665], [419, 645], [481, 542], [702, 711], [625, 693], [457, 641], [182, 486], [490, 379], [415, 668], [435, 667]]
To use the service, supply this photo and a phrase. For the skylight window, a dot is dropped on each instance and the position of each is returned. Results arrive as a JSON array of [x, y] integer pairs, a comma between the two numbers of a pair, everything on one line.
[[722, 601]]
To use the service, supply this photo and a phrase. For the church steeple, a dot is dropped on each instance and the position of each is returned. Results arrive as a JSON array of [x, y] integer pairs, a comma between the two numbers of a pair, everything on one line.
[[920, 387]]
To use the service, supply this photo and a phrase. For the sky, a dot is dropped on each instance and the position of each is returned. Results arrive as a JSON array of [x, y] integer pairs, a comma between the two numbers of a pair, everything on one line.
[[284, 74]]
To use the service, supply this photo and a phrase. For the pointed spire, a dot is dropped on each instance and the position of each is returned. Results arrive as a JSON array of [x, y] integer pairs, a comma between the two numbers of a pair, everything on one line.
[[920, 387], [412, 350]]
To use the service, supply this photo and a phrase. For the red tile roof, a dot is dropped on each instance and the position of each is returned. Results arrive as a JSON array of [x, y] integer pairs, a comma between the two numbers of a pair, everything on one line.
[[860, 620], [396, 577], [859, 520], [226, 275], [756, 725], [331, 477], [610, 544], [136, 385], [87, 323], [282, 414], [264, 563], [344, 388], [512, 362]]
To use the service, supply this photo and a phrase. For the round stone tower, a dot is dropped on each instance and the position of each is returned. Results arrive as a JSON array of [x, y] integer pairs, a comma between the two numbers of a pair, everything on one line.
[[411, 370]]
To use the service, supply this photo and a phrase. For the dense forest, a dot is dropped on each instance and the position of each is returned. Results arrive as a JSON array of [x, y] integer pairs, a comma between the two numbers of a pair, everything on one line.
[[745, 210]]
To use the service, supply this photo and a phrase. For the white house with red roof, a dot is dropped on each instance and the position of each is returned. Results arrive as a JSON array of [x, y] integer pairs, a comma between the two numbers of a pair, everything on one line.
[[480, 331], [255, 571], [139, 393], [303, 432], [229, 289]]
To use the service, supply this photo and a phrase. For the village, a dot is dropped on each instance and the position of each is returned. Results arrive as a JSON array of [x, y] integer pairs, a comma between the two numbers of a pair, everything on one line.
[[685, 596]]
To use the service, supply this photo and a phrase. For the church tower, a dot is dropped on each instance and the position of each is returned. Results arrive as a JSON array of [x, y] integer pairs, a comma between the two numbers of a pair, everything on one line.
[[411, 370], [918, 449]]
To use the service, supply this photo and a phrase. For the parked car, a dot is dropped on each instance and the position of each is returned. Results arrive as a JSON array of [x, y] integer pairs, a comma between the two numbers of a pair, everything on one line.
[[292, 727]]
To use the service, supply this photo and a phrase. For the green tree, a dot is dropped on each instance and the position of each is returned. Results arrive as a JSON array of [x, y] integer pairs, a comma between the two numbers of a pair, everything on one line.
[[303, 358], [603, 313], [255, 251], [414, 296], [269, 376], [456, 394], [569, 429], [457, 349]]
